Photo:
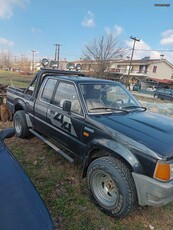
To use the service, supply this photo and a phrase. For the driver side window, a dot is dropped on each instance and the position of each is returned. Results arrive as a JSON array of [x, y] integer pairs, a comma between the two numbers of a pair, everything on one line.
[[67, 91]]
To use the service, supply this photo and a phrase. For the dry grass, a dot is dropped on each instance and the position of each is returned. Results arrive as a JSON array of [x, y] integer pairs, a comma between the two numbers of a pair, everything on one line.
[[14, 79]]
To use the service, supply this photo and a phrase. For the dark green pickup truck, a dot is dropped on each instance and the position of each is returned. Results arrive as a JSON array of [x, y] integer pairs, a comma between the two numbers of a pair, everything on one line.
[[126, 151]]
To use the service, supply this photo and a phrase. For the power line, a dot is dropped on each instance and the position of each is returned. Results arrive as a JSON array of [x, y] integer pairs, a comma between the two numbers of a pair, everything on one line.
[[57, 51], [33, 53]]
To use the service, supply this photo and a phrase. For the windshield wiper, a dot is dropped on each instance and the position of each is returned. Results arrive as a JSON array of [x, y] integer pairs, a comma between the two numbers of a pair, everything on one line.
[[111, 109], [136, 107]]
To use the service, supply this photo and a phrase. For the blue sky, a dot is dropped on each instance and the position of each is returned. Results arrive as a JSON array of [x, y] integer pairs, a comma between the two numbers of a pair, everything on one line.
[[37, 25]]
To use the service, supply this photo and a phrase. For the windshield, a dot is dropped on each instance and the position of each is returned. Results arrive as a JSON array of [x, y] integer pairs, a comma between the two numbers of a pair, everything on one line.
[[104, 98]]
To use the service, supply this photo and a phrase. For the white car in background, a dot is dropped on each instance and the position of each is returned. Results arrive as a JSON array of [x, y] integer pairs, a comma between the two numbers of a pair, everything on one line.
[[152, 88]]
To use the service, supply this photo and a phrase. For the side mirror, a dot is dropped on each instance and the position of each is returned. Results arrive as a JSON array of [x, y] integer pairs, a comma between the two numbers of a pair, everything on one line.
[[67, 106], [31, 88]]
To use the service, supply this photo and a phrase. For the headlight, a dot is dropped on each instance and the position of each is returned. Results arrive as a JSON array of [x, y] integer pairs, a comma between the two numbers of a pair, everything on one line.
[[163, 171]]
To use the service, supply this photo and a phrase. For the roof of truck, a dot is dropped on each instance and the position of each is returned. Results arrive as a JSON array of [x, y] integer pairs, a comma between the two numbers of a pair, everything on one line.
[[75, 76]]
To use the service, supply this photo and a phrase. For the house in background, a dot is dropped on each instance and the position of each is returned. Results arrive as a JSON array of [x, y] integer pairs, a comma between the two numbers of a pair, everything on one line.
[[150, 72]]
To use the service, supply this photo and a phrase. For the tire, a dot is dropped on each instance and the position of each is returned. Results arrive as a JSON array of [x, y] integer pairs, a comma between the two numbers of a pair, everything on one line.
[[20, 124], [156, 96], [111, 186]]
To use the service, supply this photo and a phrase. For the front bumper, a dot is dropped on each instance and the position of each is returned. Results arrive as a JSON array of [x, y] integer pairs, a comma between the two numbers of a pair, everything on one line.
[[152, 192]]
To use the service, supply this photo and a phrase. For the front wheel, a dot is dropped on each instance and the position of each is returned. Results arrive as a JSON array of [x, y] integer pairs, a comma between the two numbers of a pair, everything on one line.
[[20, 124], [111, 186]]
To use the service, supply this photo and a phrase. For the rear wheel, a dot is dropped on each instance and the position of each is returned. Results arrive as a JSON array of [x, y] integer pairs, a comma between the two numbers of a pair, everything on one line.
[[20, 124], [111, 186]]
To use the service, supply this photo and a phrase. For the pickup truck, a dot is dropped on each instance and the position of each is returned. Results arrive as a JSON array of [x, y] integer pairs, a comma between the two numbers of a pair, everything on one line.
[[126, 152]]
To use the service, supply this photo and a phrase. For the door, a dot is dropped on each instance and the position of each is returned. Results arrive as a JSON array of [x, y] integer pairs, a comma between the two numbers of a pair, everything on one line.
[[41, 105], [66, 127]]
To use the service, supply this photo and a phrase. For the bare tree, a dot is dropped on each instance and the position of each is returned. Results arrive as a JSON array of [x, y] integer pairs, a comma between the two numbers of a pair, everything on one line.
[[24, 64], [5, 59], [100, 53]]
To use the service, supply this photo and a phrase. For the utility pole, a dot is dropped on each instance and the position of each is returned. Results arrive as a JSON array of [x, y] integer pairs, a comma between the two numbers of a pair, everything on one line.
[[57, 51], [33, 54], [22, 62], [135, 40]]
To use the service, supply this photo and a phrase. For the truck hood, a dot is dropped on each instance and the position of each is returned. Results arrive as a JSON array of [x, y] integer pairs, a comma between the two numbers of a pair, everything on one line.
[[153, 130]]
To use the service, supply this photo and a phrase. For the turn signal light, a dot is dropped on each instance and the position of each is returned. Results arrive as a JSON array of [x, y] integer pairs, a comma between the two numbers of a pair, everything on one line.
[[85, 134], [162, 171]]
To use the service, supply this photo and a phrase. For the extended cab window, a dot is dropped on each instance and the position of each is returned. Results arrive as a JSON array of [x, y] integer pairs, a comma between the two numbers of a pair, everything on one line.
[[67, 91], [48, 90]]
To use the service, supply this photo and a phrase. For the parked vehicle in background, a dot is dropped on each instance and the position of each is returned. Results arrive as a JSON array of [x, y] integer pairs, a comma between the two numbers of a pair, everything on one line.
[[21, 207], [126, 152], [152, 88], [164, 94]]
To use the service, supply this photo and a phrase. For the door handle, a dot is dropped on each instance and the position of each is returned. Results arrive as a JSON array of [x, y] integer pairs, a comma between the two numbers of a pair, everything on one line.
[[50, 112]]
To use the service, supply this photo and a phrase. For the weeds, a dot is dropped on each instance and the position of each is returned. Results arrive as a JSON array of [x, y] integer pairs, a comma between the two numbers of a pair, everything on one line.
[[66, 196]]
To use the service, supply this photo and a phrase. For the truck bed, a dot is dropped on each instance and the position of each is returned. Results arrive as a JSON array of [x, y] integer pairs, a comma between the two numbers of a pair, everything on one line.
[[16, 91]]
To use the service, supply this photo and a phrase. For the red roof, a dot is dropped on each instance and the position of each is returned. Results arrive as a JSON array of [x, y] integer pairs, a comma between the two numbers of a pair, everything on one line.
[[162, 80]]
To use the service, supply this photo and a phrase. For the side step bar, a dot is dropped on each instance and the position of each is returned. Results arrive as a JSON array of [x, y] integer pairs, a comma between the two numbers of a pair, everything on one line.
[[52, 146]]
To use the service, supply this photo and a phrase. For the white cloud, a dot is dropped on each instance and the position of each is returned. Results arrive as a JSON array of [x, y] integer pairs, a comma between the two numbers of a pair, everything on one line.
[[36, 30], [117, 30], [142, 50], [167, 38], [6, 42], [5, 51], [7, 6], [89, 20]]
